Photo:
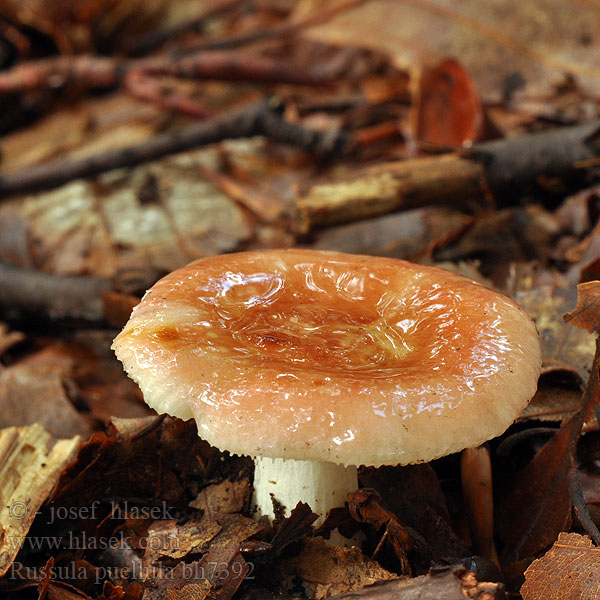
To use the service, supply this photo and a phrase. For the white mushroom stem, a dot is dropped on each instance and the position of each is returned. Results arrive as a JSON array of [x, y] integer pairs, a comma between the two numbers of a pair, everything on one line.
[[322, 485]]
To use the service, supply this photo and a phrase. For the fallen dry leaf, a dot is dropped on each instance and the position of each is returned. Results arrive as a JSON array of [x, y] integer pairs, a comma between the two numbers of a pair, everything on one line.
[[569, 570], [126, 465], [38, 394], [413, 495], [158, 217], [557, 398], [586, 315], [219, 572], [225, 497], [546, 295], [365, 507], [327, 570]]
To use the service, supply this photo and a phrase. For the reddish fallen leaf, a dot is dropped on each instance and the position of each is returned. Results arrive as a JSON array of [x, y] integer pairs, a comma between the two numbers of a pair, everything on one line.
[[538, 505], [569, 570], [449, 109], [586, 314]]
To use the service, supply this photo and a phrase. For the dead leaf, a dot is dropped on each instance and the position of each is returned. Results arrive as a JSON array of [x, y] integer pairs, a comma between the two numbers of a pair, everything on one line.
[[413, 495], [225, 497], [557, 398], [219, 572], [546, 295], [150, 464], [83, 228], [449, 112], [538, 505], [176, 540], [37, 394], [293, 528], [570, 569], [365, 507], [327, 570], [586, 314]]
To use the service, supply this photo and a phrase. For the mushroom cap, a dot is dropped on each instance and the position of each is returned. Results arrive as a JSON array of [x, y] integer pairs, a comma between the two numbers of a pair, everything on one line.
[[331, 357]]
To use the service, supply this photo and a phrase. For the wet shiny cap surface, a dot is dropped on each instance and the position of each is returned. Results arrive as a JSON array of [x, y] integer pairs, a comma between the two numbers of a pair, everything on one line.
[[333, 357]]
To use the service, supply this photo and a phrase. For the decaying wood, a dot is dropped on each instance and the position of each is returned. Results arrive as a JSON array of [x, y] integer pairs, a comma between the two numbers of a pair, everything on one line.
[[25, 292], [492, 170], [448, 179], [454, 583], [262, 118], [30, 453]]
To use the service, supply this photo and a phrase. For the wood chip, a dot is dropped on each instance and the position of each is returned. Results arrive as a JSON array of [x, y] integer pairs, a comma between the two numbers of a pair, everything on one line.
[[30, 464]]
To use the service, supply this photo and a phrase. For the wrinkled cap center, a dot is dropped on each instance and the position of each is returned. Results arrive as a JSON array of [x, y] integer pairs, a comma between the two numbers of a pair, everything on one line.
[[310, 320], [317, 336]]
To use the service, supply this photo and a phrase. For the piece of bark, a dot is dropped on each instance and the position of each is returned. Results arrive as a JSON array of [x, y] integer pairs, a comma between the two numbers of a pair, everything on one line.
[[490, 170], [30, 464], [454, 583], [448, 179]]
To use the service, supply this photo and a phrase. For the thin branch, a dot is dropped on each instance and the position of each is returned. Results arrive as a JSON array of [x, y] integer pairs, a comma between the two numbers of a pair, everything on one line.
[[263, 118], [92, 71], [27, 293]]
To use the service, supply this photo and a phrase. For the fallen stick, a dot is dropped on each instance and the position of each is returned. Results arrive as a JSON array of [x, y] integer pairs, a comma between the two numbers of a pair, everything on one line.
[[263, 118], [27, 293], [489, 171], [90, 71]]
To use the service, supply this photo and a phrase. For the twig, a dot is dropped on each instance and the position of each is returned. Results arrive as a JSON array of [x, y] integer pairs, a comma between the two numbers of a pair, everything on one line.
[[150, 89], [263, 118], [103, 72], [150, 41], [34, 294]]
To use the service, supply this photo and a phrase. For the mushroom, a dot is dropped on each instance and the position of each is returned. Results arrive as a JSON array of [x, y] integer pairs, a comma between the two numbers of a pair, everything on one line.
[[316, 362]]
